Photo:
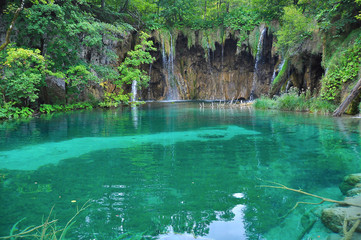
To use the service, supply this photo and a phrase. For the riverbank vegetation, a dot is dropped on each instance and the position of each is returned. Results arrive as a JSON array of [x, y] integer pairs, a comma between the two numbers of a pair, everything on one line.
[[75, 41], [295, 101]]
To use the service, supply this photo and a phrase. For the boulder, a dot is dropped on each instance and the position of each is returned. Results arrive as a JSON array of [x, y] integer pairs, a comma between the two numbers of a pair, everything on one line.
[[333, 217], [350, 182]]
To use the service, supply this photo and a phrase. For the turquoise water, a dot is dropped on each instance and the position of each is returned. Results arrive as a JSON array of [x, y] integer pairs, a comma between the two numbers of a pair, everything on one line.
[[174, 171]]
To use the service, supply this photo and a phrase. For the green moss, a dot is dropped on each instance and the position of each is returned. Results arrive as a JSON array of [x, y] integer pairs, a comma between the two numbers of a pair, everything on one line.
[[253, 40], [166, 37], [281, 73]]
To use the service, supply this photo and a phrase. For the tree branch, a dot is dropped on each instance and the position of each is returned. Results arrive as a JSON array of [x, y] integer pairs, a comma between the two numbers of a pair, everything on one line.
[[323, 199], [8, 32]]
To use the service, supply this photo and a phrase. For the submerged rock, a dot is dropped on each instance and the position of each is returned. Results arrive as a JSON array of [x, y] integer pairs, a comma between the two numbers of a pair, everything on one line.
[[355, 236], [333, 217], [350, 182]]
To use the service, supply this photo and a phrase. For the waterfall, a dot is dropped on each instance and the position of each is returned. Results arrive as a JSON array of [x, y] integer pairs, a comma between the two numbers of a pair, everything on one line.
[[149, 74], [134, 91], [258, 61], [168, 66], [277, 70]]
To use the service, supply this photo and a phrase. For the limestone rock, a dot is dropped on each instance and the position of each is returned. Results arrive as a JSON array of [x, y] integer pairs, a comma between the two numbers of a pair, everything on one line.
[[349, 182], [333, 217], [54, 92], [354, 192]]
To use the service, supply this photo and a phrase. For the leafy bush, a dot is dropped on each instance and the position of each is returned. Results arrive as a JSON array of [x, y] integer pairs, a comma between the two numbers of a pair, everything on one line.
[[47, 108], [9, 111], [23, 71], [243, 20], [296, 27], [77, 78], [343, 69], [130, 70], [292, 101], [265, 103], [319, 105]]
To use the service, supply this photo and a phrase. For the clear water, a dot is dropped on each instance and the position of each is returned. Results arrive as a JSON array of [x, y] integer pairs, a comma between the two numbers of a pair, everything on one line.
[[174, 171]]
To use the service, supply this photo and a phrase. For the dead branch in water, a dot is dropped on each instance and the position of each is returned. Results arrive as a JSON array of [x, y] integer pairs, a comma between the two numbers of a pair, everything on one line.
[[347, 233], [323, 199]]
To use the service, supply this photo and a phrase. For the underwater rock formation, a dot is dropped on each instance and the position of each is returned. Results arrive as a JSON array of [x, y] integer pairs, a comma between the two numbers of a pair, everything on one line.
[[351, 184], [334, 217]]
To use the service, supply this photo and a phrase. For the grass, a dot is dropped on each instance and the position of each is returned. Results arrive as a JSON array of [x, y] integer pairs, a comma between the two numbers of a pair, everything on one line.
[[292, 101], [46, 231]]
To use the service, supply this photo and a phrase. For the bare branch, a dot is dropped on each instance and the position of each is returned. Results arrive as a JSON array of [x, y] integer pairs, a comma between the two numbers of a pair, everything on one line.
[[348, 234], [323, 199]]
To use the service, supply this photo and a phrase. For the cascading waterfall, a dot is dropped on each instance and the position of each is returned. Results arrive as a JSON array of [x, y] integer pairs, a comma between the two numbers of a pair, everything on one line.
[[134, 91], [168, 66], [258, 60]]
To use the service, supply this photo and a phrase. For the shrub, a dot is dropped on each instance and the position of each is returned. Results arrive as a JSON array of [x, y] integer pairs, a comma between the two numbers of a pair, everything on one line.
[[23, 71], [293, 101], [9, 111], [265, 103]]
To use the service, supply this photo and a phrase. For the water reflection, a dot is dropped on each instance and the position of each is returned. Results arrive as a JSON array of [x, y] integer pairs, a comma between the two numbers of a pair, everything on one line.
[[170, 171], [218, 229], [135, 117]]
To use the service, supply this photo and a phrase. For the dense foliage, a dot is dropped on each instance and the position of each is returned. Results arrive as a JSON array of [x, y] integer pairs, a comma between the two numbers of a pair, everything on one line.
[[66, 38], [23, 72], [130, 70]]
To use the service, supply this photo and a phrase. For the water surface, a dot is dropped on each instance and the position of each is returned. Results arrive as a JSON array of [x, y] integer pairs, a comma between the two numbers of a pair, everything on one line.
[[174, 171]]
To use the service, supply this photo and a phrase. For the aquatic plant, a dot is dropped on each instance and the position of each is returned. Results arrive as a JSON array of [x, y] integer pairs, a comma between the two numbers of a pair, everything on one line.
[[47, 230]]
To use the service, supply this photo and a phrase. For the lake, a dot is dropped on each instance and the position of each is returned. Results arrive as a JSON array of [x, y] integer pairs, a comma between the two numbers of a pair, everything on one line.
[[175, 171]]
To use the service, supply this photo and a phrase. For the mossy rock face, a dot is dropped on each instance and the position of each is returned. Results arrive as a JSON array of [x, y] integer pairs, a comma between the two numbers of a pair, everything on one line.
[[350, 182]]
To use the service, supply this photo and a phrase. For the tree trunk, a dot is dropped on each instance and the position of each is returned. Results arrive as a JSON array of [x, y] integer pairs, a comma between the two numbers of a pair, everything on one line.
[[8, 32], [354, 93], [125, 6], [103, 4], [205, 9]]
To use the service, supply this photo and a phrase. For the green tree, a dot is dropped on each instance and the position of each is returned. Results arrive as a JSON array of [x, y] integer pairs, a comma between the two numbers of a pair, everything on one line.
[[23, 72], [77, 78], [131, 70], [296, 27]]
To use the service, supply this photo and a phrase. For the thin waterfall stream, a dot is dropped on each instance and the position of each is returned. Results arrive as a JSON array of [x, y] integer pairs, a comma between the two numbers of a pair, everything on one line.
[[258, 61], [134, 91], [168, 66]]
